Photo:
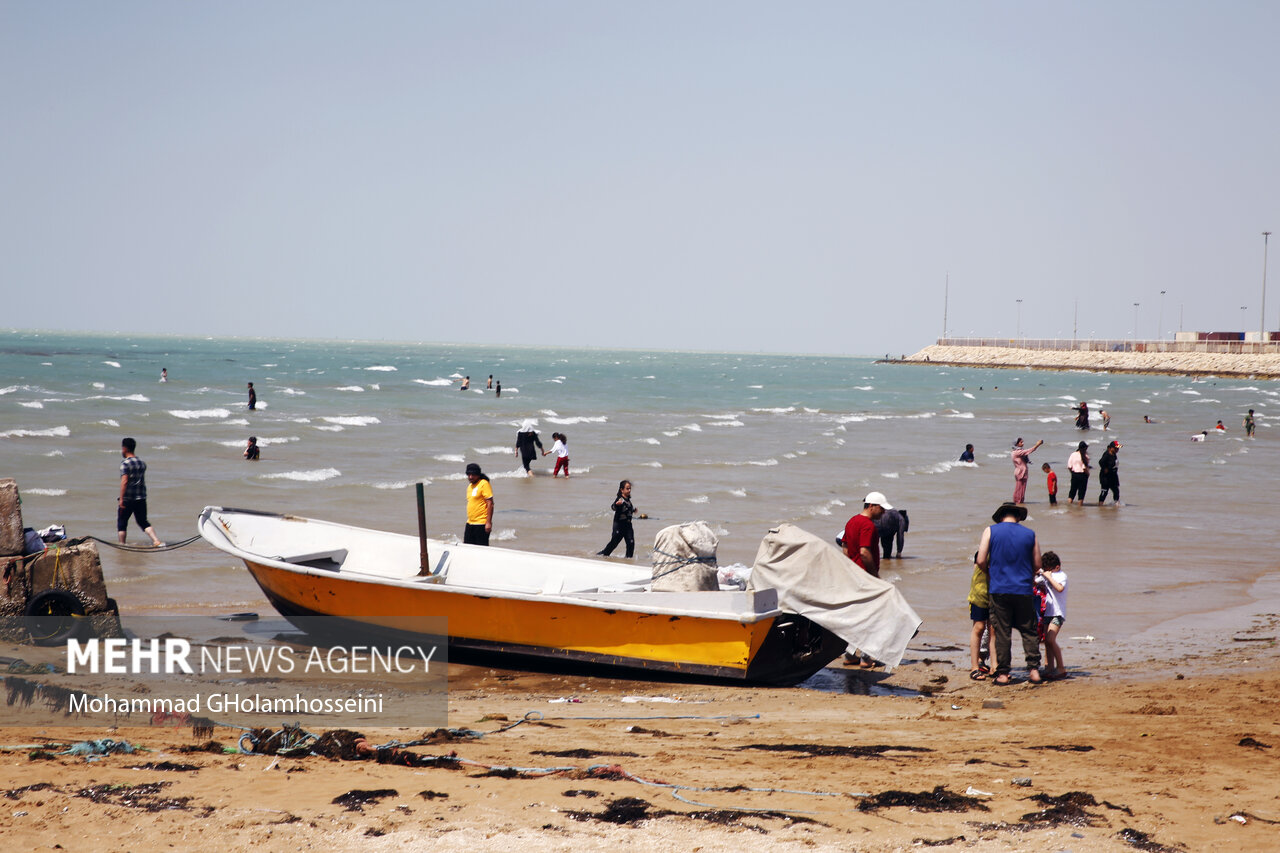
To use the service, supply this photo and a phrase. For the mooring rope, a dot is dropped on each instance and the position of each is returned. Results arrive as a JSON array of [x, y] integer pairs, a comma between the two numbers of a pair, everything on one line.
[[141, 549]]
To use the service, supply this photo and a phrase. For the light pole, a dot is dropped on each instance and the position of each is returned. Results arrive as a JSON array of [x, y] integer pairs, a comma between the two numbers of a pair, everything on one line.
[[1242, 307], [1160, 324], [1262, 321], [1135, 321], [1019, 301]]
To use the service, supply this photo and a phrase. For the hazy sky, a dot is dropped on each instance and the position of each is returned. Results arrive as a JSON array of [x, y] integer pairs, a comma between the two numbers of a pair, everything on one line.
[[792, 177]]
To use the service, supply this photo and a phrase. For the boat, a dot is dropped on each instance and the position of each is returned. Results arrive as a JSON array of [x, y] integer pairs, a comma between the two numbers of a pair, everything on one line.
[[518, 604]]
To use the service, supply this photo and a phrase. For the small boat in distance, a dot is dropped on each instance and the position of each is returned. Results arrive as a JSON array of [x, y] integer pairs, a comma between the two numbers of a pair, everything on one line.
[[516, 603]]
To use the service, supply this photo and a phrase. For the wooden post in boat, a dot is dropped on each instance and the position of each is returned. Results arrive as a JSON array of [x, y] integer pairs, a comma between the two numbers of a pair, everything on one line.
[[424, 563]]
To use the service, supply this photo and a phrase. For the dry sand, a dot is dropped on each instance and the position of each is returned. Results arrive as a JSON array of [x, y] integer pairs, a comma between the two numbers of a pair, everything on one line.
[[1177, 363], [1184, 758]]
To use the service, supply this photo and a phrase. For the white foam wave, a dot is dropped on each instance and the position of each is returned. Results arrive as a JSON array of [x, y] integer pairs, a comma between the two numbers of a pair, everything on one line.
[[489, 451], [52, 432], [352, 420], [700, 499], [651, 464], [191, 414], [291, 392], [384, 368], [1189, 391], [111, 363], [672, 433], [314, 476], [262, 441], [691, 427], [333, 428], [99, 385], [50, 492], [348, 388], [649, 440], [890, 475], [55, 453], [401, 484], [962, 415], [1049, 420], [505, 535], [726, 424], [450, 457], [739, 493], [864, 387], [597, 419], [440, 381], [34, 404], [970, 396], [777, 410], [109, 422], [135, 398], [237, 422]]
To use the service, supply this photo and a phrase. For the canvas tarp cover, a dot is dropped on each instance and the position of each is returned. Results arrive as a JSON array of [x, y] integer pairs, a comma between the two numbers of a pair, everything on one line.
[[813, 578]]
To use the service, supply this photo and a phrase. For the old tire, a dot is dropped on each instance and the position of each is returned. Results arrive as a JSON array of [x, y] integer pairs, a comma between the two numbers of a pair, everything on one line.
[[53, 617]]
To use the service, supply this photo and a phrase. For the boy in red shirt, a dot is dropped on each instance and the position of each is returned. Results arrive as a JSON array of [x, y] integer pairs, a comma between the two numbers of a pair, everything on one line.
[[1053, 484]]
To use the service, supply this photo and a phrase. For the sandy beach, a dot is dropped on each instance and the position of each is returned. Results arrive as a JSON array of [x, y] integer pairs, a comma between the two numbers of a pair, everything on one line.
[[1124, 757], [1174, 363]]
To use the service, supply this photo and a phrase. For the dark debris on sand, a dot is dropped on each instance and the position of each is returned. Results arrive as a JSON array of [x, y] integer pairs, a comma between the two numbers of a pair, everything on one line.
[[937, 800], [145, 797], [356, 800], [814, 749]]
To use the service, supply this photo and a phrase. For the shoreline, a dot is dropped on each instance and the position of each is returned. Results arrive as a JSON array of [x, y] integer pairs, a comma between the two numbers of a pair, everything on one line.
[[1167, 364]]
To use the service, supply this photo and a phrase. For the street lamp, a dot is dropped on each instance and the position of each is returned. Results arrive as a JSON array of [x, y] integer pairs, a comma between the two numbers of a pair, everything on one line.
[[1135, 321], [1019, 301], [1242, 307], [1160, 324], [1262, 321]]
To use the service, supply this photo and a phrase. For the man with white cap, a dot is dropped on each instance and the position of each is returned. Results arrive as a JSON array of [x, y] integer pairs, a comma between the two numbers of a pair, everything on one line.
[[860, 534], [860, 546]]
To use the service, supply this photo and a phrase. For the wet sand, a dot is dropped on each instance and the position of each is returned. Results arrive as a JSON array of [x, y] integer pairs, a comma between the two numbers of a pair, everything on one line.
[[1181, 756], [1174, 363]]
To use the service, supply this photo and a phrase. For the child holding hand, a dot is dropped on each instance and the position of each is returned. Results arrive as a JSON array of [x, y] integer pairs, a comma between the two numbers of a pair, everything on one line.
[[1054, 581], [979, 602]]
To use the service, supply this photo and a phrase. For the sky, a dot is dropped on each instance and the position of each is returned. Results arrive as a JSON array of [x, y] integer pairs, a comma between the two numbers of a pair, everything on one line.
[[813, 177]]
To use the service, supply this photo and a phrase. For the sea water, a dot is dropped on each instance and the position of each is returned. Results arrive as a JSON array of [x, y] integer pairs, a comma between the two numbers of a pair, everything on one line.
[[743, 441]]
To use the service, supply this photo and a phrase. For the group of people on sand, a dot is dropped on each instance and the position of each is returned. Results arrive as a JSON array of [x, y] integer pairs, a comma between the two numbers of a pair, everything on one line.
[[1015, 586]]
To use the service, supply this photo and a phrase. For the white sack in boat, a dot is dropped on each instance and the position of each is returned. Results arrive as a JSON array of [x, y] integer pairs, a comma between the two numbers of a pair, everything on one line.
[[816, 580], [684, 558]]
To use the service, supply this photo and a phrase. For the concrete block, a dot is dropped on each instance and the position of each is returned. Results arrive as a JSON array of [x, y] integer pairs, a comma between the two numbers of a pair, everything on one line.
[[78, 568], [10, 518]]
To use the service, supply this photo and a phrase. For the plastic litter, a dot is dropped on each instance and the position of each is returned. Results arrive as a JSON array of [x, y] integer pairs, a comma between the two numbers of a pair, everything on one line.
[[974, 792]]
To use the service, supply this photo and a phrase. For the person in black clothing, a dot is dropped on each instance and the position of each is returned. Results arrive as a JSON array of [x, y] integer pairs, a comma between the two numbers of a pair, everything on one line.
[[251, 451], [253, 398], [526, 440], [967, 456], [1109, 473], [623, 510]]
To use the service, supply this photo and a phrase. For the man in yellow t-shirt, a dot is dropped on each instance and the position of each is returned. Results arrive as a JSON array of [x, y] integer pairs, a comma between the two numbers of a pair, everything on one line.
[[479, 507]]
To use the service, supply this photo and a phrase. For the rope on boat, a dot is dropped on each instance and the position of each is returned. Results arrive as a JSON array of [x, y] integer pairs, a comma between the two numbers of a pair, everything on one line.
[[138, 549], [680, 562]]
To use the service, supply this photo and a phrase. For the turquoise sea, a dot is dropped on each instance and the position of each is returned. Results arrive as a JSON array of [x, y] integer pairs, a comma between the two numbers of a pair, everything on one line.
[[742, 441]]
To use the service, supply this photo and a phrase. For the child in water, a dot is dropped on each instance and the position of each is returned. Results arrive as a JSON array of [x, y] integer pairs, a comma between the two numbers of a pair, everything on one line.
[[1054, 580], [1052, 482], [561, 450]]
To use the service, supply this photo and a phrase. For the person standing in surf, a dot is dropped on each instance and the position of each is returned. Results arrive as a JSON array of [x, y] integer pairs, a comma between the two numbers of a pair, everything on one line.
[[526, 440], [623, 511], [133, 494], [479, 507], [1020, 475]]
